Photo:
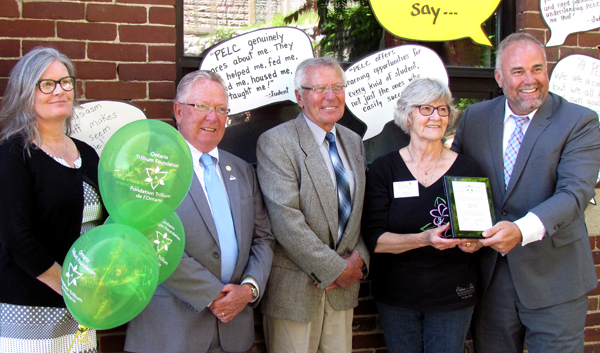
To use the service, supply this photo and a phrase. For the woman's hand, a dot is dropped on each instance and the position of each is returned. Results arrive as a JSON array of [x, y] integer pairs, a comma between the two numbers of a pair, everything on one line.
[[434, 238], [470, 245]]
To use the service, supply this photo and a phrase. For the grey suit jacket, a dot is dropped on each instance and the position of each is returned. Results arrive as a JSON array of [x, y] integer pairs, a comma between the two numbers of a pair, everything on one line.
[[553, 177], [302, 204], [177, 318]]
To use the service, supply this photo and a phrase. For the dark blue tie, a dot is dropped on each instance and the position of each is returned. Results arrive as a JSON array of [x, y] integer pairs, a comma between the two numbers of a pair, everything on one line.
[[343, 187], [217, 196]]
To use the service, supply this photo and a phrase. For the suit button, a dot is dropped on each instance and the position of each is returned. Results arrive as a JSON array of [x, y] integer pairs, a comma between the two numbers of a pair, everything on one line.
[[216, 255], [504, 213]]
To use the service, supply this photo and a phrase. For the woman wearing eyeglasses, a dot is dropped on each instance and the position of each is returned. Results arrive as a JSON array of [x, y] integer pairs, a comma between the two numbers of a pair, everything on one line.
[[423, 282], [48, 197]]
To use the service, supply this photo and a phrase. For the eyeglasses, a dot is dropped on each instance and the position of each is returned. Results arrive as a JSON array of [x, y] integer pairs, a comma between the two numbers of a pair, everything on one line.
[[323, 89], [427, 110], [48, 86], [207, 109]]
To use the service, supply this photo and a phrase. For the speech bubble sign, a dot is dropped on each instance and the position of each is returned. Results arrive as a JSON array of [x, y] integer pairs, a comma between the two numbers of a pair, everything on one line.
[[577, 79], [375, 83], [564, 17], [435, 20], [94, 122], [259, 66]]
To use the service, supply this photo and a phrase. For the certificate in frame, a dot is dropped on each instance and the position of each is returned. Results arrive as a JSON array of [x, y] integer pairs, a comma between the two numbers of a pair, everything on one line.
[[470, 204]]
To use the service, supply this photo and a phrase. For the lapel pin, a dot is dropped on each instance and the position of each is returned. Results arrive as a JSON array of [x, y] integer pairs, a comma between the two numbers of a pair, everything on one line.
[[228, 168], [231, 177]]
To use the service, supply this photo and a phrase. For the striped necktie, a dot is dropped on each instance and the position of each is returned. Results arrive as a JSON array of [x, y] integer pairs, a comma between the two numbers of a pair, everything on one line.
[[343, 187], [512, 149]]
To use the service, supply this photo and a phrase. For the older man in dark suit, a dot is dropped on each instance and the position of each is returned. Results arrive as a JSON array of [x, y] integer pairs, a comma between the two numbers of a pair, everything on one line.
[[542, 155], [312, 172], [207, 304]]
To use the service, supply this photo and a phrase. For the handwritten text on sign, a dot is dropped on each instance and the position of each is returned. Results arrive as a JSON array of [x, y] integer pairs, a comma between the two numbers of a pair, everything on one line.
[[375, 83], [569, 16], [259, 66], [435, 20], [96, 121], [577, 79]]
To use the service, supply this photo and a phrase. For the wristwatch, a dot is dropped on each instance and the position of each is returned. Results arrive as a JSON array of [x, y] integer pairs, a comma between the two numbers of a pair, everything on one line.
[[254, 290]]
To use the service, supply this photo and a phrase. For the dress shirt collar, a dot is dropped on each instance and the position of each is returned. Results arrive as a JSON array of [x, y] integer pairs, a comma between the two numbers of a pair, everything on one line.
[[197, 154], [508, 112], [318, 132]]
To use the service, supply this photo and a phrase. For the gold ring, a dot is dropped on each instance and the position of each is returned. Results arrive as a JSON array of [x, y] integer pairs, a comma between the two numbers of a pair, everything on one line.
[[223, 314], [468, 244]]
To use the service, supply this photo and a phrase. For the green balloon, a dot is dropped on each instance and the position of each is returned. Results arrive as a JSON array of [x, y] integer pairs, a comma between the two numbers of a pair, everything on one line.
[[109, 276], [168, 240], [145, 172]]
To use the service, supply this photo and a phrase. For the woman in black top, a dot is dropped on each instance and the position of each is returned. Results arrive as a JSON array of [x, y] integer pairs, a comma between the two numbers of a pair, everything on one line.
[[48, 197], [423, 282]]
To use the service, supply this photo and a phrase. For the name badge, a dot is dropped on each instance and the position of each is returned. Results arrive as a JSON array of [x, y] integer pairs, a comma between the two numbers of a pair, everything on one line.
[[406, 189]]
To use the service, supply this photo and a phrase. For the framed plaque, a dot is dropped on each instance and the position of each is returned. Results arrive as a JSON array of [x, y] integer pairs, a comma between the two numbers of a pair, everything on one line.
[[470, 204]]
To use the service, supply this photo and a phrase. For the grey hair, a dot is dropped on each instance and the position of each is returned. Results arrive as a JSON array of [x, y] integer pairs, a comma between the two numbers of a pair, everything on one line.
[[17, 116], [422, 91], [186, 83], [325, 61], [521, 38]]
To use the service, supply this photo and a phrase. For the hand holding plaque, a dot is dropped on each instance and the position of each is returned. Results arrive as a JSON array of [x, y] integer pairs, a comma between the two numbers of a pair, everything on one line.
[[471, 207]]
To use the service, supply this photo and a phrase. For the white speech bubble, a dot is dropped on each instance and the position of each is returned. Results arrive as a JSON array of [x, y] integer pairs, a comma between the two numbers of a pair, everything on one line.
[[564, 17], [95, 122], [375, 83], [577, 79], [259, 66]]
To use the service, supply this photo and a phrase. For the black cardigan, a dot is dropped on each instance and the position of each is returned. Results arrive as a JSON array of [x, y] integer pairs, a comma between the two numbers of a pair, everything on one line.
[[41, 208]]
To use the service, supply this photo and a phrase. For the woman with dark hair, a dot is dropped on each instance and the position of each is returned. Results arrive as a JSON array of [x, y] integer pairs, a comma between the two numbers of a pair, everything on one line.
[[424, 283], [48, 197]]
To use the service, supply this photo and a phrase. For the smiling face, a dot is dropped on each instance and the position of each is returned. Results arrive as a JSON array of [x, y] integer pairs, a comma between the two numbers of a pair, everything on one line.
[[55, 106], [322, 109], [523, 77], [203, 131], [429, 128]]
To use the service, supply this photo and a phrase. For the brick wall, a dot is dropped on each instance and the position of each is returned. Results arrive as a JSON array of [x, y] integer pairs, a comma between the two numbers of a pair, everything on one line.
[[125, 49], [122, 49]]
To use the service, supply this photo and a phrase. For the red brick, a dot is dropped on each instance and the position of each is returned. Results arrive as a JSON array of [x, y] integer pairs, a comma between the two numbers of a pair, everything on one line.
[[552, 54], [26, 28], [117, 52], [161, 110], [3, 83], [115, 90], [54, 10], [571, 40], [589, 39], [592, 334], [116, 13], [162, 53], [595, 291], [527, 5], [530, 20], [93, 70], [162, 90], [593, 303], [6, 66], [374, 340], [148, 2], [566, 51], [162, 15], [551, 66], [87, 31], [10, 48], [364, 324], [9, 8], [596, 257], [539, 34], [74, 50], [591, 348], [147, 72], [592, 319], [147, 34]]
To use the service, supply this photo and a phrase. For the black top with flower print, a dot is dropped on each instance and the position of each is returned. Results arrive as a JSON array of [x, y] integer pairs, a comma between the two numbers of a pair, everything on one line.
[[424, 279]]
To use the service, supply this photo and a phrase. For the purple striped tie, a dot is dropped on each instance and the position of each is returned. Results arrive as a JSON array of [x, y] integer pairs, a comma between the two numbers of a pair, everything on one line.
[[514, 144]]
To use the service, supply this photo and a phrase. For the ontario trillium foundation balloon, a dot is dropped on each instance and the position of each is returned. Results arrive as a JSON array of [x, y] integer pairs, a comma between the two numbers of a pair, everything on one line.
[[145, 172], [109, 276]]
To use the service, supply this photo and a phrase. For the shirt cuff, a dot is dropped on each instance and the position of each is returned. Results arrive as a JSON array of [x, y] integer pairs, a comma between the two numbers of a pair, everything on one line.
[[250, 279], [532, 228]]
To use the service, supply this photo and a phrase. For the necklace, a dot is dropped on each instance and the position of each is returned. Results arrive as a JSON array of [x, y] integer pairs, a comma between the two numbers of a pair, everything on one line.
[[416, 166], [58, 155]]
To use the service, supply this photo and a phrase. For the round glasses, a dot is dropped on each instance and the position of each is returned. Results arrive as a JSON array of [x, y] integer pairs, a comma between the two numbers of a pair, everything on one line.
[[427, 110], [48, 86], [323, 89]]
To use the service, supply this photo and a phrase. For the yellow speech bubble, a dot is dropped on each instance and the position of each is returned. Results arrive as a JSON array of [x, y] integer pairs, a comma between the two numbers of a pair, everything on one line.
[[435, 20]]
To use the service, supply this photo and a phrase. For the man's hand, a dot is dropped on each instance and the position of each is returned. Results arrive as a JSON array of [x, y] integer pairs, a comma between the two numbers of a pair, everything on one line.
[[502, 237], [352, 272], [232, 299]]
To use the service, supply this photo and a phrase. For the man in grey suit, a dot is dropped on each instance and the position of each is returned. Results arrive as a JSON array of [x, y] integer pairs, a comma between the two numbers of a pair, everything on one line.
[[207, 303], [312, 173], [542, 155]]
